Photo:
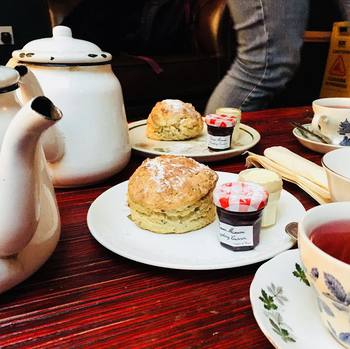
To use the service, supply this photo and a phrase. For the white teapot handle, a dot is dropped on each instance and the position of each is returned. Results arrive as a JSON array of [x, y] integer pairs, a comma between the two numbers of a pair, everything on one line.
[[29, 85], [52, 140]]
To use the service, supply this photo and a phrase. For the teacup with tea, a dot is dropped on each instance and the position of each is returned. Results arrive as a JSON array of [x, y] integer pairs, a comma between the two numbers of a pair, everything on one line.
[[324, 244], [332, 119]]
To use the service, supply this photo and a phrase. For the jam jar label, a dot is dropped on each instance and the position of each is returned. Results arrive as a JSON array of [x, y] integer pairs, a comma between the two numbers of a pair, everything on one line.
[[236, 236], [219, 142]]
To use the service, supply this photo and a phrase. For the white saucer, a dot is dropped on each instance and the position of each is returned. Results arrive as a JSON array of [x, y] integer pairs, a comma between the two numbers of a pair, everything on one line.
[[198, 250], [298, 313], [312, 142], [195, 148]]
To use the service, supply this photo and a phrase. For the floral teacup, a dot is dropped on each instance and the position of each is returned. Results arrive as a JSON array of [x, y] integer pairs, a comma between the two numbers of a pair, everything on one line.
[[332, 119], [329, 276]]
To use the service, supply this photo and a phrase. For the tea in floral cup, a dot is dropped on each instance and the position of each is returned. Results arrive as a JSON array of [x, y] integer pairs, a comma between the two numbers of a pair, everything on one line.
[[332, 119], [324, 244]]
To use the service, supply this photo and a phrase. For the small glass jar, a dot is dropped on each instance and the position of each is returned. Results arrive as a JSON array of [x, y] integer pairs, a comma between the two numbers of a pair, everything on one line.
[[240, 206], [232, 112], [220, 129]]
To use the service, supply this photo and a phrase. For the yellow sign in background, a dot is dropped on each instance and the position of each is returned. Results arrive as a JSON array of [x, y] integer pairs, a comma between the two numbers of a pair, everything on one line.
[[336, 79]]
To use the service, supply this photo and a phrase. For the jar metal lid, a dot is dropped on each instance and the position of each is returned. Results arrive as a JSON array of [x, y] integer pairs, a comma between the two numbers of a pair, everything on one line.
[[240, 196], [217, 120]]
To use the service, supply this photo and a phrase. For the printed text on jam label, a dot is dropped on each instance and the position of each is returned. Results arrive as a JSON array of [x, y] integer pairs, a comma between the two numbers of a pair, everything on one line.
[[236, 236], [219, 142]]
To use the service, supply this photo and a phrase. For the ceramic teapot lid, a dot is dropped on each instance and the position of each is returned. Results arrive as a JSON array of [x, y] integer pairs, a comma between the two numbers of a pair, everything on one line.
[[8, 79], [62, 49]]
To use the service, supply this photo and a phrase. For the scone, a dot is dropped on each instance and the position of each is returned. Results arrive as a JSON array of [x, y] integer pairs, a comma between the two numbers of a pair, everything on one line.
[[172, 194], [174, 120]]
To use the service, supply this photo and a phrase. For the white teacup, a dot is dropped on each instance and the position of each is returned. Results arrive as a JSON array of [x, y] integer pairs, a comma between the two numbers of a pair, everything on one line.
[[337, 166], [329, 277], [332, 119]]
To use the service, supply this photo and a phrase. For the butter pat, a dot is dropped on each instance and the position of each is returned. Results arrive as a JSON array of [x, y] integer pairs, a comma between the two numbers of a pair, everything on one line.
[[272, 182]]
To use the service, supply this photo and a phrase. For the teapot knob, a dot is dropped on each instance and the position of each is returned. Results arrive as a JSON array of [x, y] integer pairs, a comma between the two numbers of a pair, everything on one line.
[[61, 30]]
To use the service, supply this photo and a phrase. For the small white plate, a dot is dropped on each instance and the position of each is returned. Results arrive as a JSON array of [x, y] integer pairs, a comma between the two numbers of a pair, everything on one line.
[[195, 148], [197, 250], [312, 142], [295, 323]]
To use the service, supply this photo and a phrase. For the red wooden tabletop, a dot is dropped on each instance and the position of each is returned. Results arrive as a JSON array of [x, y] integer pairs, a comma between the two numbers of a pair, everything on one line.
[[88, 297]]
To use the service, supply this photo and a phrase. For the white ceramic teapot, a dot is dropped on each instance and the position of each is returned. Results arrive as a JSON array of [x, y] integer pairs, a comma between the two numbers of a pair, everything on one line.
[[29, 217], [77, 76]]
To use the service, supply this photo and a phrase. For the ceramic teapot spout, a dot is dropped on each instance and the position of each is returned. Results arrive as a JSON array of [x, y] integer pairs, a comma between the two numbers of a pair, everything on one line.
[[19, 174]]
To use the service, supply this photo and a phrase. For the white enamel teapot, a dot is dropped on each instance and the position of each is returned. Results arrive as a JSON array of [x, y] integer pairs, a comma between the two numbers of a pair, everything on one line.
[[77, 76], [29, 217]]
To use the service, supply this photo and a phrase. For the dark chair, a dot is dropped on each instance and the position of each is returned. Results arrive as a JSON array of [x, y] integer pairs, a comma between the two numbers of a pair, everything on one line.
[[187, 76]]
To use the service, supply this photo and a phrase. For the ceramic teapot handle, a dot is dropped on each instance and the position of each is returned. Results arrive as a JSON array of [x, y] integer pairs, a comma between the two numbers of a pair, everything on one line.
[[29, 85], [51, 139]]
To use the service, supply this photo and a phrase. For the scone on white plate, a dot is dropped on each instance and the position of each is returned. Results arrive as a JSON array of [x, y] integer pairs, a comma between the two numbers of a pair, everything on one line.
[[174, 120], [172, 194]]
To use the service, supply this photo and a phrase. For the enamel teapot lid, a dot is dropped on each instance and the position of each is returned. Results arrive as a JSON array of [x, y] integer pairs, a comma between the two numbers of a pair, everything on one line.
[[8, 79], [62, 49]]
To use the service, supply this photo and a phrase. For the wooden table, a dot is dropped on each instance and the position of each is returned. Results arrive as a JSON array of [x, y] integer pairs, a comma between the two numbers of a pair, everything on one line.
[[88, 297]]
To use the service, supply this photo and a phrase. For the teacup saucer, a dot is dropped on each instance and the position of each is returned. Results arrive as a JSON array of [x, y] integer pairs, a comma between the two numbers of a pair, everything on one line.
[[284, 305], [312, 142]]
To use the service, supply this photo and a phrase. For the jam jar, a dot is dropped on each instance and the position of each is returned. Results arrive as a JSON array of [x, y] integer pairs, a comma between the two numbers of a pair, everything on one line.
[[239, 207], [220, 129], [235, 113]]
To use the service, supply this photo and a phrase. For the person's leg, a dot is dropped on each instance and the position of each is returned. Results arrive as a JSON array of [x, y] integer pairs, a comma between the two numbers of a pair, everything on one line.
[[269, 38]]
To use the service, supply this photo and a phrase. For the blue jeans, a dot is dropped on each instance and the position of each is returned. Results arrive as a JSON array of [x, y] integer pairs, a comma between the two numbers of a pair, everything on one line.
[[269, 39]]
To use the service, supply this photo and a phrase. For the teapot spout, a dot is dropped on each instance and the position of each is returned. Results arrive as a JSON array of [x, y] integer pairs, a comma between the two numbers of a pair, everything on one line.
[[20, 174]]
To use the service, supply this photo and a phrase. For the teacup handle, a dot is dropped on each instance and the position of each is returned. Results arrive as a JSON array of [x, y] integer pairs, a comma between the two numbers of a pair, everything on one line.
[[318, 121]]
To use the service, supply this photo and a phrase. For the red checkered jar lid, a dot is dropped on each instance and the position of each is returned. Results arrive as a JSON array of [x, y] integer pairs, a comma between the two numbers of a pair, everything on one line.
[[217, 120], [240, 197]]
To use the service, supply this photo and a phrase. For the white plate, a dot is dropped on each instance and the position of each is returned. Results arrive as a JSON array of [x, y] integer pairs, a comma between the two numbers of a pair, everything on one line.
[[198, 250], [298, 313], [195, 148], [312, 142]]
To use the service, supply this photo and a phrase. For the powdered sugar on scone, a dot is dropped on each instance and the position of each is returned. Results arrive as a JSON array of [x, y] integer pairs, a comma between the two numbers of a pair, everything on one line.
[[177, 106], [169, 174], [174, 104]]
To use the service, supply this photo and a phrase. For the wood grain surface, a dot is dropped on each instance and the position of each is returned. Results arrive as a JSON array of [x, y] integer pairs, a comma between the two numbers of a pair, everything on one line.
[[88, 297]]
